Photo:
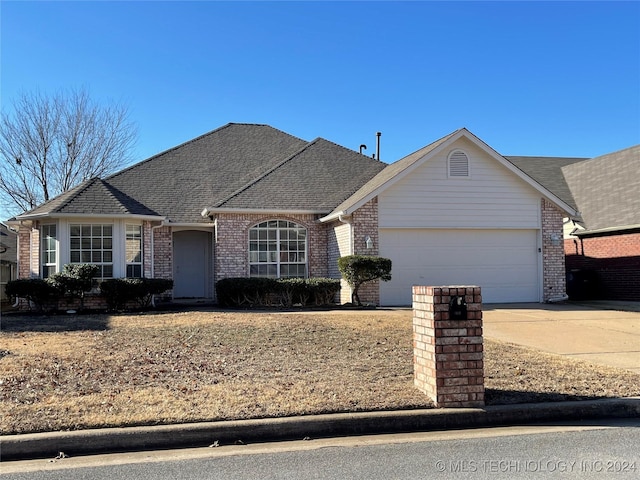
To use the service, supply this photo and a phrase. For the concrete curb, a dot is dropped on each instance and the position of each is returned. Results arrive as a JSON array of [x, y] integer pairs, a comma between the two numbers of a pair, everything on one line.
[[111, 440]]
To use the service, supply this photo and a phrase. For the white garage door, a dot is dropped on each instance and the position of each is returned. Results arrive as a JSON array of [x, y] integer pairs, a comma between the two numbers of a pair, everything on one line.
[[503, 262]]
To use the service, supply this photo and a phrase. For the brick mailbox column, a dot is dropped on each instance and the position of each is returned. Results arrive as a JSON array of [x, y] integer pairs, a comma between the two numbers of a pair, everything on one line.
[[448, 361]]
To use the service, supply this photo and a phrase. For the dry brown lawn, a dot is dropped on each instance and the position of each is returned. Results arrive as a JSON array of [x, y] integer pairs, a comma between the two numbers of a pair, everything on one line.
[[85, 371]]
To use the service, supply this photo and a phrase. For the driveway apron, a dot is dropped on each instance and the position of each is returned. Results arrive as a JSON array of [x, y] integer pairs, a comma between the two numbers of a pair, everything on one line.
[[595, 333]]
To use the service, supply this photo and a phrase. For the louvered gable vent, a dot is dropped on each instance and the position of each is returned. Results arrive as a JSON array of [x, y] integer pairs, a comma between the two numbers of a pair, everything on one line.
[[458, 164]]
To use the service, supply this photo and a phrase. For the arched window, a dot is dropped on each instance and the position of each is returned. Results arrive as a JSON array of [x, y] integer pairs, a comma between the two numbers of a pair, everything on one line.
[[278, 249], [458, 164]]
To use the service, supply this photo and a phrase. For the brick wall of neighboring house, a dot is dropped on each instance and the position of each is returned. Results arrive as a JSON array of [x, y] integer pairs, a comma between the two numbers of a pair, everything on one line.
[[553, 261], [232, 243], [604, 267], [338, 245], [365, 223]]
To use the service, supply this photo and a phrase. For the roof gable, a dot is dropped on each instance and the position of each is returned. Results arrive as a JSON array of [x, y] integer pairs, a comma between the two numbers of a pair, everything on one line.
[[398, 170]]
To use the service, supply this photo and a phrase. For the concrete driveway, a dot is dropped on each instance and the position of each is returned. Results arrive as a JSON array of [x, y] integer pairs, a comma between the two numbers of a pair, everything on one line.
[[595, 331]]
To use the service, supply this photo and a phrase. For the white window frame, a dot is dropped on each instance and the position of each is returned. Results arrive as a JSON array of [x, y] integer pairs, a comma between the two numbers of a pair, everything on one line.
[[266, 252], [88, 244], [47, 265], [138, 236]]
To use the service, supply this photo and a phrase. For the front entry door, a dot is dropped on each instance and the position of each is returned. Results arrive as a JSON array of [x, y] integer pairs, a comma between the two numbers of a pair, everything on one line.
[[191, 263]]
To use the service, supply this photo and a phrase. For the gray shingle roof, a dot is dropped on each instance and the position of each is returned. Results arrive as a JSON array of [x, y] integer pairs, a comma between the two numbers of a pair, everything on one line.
[[606, 189], [316, 178], [56, 203], [251, 166], [181, 182], [101, 198], [238, 166], [95, 197], [547, 171]]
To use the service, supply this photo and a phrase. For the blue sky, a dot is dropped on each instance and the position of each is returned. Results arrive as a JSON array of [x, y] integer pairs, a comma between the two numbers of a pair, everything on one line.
[[529, 78]]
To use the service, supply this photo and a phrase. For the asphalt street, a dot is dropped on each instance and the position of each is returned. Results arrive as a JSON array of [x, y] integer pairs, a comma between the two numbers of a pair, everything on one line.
[[591, 450]]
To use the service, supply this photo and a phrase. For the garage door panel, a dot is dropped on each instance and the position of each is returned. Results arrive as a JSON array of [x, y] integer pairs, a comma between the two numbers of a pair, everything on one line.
[[503, 262]]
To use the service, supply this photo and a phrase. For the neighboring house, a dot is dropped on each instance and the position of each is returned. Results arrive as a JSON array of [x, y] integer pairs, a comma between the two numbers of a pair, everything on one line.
[[250, 200], [8, 258], [603, 251]]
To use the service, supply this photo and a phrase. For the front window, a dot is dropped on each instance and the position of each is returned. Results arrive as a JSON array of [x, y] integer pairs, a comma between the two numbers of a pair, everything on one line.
[[92, 243], [134, 251], [278, 249], [49, 250]]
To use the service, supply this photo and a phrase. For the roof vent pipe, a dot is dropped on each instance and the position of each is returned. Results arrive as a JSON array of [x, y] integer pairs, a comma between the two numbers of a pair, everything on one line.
[[378, 145], [362, 147]]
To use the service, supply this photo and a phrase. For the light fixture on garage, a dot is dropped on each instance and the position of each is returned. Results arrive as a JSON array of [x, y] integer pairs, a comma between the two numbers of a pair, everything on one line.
[[368, 242], [555, 239]]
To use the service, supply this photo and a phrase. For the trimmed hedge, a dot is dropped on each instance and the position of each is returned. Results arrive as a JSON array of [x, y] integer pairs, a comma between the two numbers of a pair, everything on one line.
[[74, 280], [243, 292], [36, 291], [119, 292]]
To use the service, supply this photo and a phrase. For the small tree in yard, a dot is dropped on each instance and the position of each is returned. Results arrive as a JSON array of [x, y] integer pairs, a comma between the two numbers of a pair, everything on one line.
[[359, 269]]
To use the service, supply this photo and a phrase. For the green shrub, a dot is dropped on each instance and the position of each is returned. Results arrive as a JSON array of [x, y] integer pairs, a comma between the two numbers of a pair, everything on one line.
[[242, 292], [156, 286], [35, 290], [292, 291], [119, 292], [245, 291], [75, 280], [359, 269], [324, 290]]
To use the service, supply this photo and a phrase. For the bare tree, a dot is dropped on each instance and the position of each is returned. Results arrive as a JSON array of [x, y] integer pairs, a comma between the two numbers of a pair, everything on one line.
[[49, 144]]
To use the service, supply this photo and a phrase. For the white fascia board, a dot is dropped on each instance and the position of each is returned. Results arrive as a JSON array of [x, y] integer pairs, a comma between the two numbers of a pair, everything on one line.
[[396, 178], [446, 144], [90, 215], [585, 232], [213, 210], [190, 224]]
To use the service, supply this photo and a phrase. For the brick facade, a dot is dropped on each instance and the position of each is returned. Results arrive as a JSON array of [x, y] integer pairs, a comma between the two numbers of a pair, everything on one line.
[[162, 253], [24, 251], [553, 261], [604, 267], [232, 243], [448, 354], [325, 244], [365, 224]]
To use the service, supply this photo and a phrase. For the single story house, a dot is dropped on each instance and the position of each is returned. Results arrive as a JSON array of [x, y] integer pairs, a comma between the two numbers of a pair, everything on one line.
[[251, 200]]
